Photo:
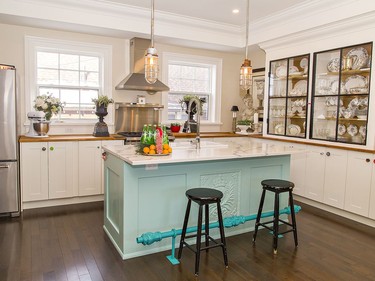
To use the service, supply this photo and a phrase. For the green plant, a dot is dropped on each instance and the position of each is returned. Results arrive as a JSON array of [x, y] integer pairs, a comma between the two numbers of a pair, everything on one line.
[[245, 122], [102, 100], [175, 124]]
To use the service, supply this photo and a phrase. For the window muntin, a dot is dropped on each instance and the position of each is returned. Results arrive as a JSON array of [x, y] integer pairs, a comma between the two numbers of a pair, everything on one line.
[[189, 79], [73, 78]]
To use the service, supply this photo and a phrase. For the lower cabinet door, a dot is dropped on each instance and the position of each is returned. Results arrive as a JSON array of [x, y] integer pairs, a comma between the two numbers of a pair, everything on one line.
[[315, 169], [90, 168], [63, 169], [34, 171], [358, 183]]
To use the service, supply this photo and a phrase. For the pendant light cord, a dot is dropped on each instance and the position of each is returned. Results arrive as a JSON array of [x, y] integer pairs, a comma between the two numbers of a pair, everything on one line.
[[247, 26], [152, 23]]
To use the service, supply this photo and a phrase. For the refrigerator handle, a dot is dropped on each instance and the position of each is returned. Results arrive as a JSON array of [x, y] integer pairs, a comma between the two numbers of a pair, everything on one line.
[[4, 166]]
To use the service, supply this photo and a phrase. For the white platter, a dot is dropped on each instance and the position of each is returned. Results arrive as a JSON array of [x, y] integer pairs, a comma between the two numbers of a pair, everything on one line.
[[334, 65], [279, 129], [361, 57], [294, 130], [341, 130], [355, 81], [352, 130]]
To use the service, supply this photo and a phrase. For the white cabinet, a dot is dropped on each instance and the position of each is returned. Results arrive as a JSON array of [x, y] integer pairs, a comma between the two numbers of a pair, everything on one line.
[[34, 171], [62, 169], [48, 170], [325, 175], [90, 178], [90, 168], [298, 169], [372, 191], [358, 183]]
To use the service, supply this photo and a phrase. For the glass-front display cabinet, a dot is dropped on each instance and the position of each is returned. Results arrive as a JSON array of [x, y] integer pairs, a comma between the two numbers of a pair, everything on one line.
[[288, 96], [340, 94]]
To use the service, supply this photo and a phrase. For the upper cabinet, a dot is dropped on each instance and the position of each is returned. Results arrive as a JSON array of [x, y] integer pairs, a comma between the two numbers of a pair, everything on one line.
[[340, 94], [288, 96]]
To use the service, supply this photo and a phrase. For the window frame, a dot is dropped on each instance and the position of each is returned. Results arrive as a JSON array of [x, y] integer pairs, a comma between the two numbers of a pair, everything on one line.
[[35, 44], [215, 64]]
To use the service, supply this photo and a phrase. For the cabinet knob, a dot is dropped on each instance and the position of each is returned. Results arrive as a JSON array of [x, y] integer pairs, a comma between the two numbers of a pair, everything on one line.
[[328, 154], [321, 153], [44, 149], [368, 160], [98, 147], [51, 148]]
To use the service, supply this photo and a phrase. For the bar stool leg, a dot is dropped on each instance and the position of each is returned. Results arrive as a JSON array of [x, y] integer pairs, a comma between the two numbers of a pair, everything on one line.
[[259, 214], [291, 204], [199, 236], [276, 223], [207, 228], [222, 234], [183, 234]]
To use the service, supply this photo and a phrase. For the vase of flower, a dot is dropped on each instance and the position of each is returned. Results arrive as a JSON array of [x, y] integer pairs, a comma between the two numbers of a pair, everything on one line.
[[101, 104], [48, 104]]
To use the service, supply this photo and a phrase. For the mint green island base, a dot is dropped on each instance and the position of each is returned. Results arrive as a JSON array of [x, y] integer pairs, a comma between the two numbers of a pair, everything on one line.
[[147, 194]]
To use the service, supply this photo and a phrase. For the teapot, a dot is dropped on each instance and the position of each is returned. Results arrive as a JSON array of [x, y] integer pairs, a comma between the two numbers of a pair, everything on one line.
[[349, 61]]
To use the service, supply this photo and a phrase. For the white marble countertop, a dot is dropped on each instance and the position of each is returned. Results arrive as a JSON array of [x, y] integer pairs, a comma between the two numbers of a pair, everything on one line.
[[186, 152]]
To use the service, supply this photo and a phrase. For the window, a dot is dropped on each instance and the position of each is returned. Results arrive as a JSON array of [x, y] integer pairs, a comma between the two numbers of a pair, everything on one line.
[[71, 71], [191, 75]]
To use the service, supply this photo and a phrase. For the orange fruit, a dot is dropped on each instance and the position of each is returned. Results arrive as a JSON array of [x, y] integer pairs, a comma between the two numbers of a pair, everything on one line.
[[146, 150], [165, 151], [170, 150], [165, 146], [152, 151], [152, 147]]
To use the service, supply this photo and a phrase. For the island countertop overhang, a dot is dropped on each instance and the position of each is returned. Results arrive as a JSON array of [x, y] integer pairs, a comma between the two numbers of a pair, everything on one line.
[[229, 150]]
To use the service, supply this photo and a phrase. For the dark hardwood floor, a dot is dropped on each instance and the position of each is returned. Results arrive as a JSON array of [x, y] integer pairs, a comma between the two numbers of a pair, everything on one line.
[[68, 243]]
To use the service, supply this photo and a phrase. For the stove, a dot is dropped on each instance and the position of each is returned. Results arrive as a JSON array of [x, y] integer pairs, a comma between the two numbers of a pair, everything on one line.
[[134, 137]]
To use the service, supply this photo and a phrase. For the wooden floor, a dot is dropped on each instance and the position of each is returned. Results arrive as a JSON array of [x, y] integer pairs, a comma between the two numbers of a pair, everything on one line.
[[68, 243]]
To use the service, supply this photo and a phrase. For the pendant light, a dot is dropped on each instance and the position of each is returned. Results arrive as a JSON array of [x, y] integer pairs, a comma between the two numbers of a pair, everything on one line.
[[151, 57], [246, 70]]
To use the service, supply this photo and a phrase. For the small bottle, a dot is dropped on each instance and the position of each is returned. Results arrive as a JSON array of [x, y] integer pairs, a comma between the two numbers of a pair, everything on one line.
[[144, 134], [165, 135]]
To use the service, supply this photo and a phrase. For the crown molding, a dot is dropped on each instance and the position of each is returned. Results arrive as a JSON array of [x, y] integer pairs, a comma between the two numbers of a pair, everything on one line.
[[349, 29], [124, 19]]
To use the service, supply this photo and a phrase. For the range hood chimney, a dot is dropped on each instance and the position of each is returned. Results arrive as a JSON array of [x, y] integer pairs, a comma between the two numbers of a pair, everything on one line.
[[136, 81]]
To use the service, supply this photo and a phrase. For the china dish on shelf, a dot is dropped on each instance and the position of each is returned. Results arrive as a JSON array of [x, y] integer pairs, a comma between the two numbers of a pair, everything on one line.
[[279, 129], [299, 89], [360, 57], [341, 130], [352, 130], [304, 63], [362, 131], [355, 81], [293, 130], [281, 71], [359, 90], [334, 65]]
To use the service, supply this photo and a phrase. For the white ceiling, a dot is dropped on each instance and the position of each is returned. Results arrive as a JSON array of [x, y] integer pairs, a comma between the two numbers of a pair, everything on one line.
[[216, 10]]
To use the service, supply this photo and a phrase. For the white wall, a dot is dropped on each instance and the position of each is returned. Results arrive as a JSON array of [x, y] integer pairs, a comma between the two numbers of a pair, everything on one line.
[[12, 52]]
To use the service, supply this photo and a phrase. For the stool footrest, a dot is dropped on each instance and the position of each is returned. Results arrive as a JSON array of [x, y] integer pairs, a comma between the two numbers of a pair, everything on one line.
[[203, 248]]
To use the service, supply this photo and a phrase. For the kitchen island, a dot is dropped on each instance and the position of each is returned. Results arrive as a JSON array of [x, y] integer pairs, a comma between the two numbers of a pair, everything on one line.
[[147, 193]]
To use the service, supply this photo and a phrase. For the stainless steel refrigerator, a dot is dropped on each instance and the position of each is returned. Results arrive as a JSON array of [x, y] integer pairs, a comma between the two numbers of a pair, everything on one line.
[[9, 169]]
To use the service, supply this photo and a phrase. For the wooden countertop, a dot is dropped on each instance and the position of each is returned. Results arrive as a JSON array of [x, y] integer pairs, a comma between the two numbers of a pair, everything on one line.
[[55, 138]]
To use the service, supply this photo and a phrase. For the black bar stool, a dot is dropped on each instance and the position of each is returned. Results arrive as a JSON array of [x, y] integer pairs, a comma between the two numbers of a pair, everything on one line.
[[203, 197], [277, 186]]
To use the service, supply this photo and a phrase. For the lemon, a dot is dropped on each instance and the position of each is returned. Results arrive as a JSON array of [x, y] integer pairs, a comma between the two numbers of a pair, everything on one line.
[[165, 151], [152, 147], [170, 150], [165, 146], [152, 151]]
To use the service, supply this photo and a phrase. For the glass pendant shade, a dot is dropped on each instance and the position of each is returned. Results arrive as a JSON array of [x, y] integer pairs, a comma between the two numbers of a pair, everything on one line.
[[151, 66], [246, 72]]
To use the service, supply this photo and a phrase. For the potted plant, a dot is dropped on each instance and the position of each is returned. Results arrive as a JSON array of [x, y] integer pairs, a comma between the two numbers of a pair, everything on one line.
[[175, 127], [101, 103], [243, 125]]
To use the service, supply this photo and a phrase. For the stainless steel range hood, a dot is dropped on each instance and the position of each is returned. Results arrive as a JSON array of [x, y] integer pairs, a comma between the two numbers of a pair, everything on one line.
[[136, 81]]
